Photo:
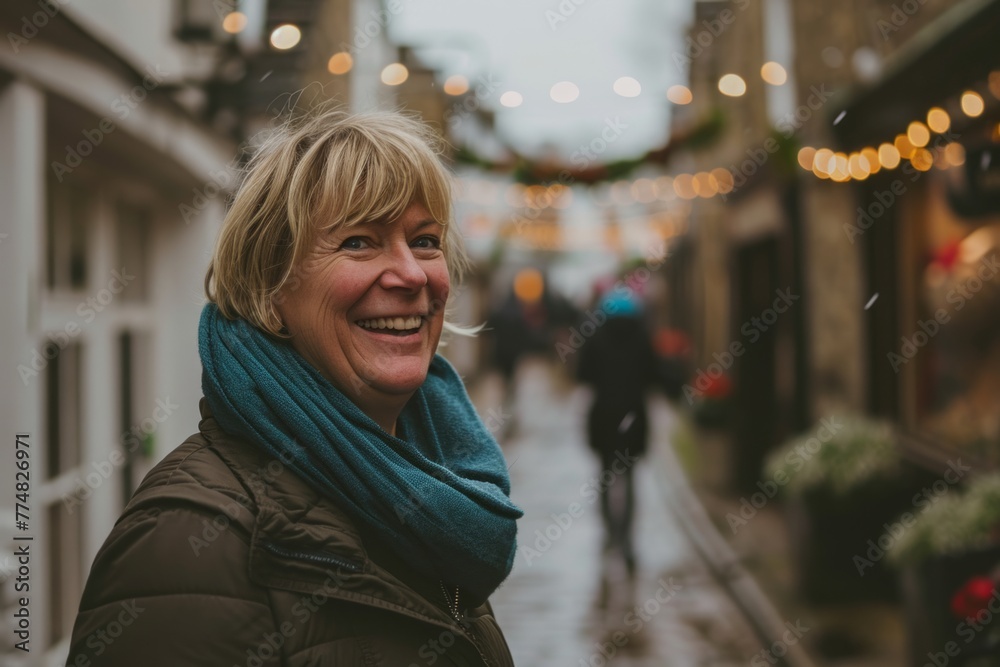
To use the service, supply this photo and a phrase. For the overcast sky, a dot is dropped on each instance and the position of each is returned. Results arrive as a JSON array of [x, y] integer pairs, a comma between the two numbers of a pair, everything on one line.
[[524, 45]]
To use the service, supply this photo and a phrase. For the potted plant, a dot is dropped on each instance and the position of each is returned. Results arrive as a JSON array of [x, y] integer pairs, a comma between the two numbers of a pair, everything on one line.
[[950, 561], [845, 482], [710, 408]]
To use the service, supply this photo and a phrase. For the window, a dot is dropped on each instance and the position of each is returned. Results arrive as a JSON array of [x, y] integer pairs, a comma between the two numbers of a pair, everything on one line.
[[137, 426], [62, 409], [65, 544], [951, 349], [132, 229], [68, 222]]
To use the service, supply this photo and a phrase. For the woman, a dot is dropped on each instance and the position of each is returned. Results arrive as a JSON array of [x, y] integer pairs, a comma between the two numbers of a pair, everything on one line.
[[342, 504]]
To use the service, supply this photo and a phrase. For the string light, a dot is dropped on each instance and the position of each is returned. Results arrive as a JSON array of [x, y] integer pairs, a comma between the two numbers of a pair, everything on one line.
[[806, 156], [285, 37], [823, 162], [234, 22], [511, 99], [394, 74], [773, 73], [888, 156], [732, 85], [456, 85], [340, 63], [679, 94], [938, 120], [564, 92], [626, 86], [972, 104], [918, 134]]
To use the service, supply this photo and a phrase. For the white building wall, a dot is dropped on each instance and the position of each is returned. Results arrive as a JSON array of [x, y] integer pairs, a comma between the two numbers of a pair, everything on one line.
[[182, 157], [21, 221]]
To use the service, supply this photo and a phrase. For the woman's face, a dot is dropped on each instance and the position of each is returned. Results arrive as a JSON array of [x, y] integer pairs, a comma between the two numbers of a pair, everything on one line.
[[369, 306]]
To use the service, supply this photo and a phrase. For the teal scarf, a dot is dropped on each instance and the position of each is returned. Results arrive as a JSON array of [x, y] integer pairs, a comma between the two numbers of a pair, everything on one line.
[[438, 494]]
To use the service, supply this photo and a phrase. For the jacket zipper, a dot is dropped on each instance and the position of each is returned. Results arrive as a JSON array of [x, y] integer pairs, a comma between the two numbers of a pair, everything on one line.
[[324, 558], [459, 618]]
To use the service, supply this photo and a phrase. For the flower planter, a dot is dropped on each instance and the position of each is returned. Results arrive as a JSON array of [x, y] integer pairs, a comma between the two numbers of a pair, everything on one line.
[[928, 588], [840, 540]]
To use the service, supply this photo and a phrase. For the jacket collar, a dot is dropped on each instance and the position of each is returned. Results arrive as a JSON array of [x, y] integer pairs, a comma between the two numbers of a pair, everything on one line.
[[302, 542]]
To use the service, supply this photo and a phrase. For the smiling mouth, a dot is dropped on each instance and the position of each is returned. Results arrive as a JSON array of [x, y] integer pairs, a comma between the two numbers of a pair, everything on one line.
[[396, 326]]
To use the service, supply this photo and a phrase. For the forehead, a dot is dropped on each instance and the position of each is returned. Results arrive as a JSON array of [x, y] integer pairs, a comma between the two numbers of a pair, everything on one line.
[[415, 217]]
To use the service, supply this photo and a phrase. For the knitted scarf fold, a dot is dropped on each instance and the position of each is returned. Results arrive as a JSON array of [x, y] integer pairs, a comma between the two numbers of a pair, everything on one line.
[[438, 495]]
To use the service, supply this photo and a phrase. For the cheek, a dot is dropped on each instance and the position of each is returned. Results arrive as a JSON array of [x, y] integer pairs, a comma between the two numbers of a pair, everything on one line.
[[439, 283]]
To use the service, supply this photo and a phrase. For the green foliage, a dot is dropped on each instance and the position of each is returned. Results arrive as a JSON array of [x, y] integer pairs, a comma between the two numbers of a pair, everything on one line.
[[706, 133], [858, 451], [954, 523]]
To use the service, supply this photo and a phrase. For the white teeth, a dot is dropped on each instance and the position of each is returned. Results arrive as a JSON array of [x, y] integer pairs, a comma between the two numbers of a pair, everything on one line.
[[397, 323]]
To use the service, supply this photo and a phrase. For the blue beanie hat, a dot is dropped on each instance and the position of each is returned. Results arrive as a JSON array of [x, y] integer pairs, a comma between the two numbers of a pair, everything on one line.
[[621, 303]]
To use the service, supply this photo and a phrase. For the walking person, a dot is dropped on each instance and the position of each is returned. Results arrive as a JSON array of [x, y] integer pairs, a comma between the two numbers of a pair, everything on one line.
[[342, 503], [618, 361]]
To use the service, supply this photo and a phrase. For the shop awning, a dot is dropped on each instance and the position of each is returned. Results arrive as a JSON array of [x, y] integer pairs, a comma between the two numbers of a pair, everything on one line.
[[955, 52]]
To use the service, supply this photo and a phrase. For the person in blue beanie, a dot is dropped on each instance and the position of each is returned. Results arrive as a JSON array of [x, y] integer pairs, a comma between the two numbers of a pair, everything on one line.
[[342, 503], [619, 362]]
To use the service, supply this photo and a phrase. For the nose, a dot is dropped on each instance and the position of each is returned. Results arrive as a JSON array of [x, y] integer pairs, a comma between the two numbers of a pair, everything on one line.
[[403, 270]]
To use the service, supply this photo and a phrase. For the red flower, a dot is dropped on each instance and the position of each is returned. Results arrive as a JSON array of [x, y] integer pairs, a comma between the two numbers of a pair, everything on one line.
[[973, 597], [672, 343], [718, 387], [946, 255]]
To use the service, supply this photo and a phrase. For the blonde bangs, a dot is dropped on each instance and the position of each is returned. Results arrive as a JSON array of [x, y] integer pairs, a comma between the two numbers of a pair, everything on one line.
[[385, 177]]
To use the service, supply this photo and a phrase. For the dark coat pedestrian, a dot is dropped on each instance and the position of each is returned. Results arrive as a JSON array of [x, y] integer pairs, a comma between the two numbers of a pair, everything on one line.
[[619, 362]]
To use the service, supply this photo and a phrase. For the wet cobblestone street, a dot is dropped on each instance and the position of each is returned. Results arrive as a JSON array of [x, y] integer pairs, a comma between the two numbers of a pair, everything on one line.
[[567, 603]]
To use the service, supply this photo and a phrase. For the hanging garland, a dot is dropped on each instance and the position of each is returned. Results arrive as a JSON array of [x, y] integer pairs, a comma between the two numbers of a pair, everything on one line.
[[531, 172]]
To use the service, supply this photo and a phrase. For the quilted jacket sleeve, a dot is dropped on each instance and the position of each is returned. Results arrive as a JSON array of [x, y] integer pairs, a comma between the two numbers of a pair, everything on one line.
[[171, 587]]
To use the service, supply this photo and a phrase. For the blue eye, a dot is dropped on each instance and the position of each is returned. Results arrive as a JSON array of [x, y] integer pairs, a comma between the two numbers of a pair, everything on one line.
[[427, 242], [353, 243]]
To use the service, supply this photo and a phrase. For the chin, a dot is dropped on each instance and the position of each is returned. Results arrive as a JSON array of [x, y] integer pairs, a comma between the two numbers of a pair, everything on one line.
[[400, 380]]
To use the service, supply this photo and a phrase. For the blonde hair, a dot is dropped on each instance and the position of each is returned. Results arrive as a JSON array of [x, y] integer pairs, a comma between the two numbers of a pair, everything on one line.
[[324, 171]]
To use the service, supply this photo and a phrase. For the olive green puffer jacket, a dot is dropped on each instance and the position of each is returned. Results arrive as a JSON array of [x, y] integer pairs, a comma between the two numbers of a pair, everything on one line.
[[225, 557]]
